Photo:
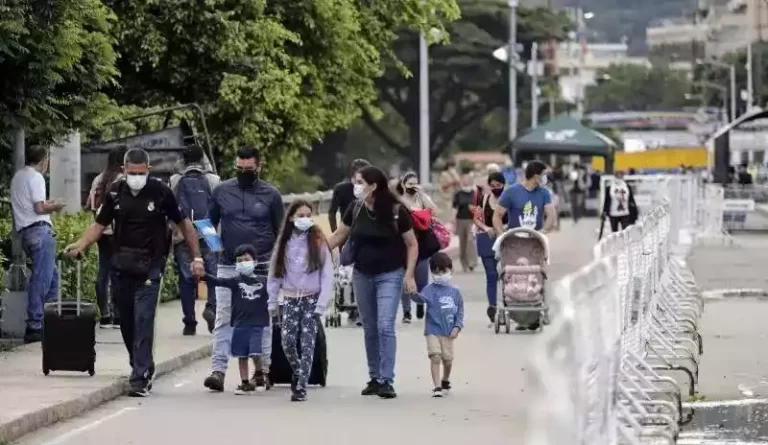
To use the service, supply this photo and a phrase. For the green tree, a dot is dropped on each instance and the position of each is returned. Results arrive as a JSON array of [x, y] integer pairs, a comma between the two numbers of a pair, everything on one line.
[[466, 81], [278, 75], [56, 57], [639, 88]]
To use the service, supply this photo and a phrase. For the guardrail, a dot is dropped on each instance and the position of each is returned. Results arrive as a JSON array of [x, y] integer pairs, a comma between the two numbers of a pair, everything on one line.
[[618, 322]]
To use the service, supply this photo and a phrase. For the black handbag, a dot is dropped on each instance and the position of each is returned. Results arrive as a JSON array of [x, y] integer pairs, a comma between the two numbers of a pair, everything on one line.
[[132, 261], [349, 250], [428, 243]]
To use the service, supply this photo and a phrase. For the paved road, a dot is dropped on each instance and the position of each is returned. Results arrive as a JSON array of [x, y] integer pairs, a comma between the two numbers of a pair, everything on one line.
[[487, 404]]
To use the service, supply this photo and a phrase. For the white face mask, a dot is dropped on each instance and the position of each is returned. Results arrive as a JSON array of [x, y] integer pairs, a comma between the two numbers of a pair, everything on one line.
[[359, 191], [544, 180], [444, 279], [136, 182], [245, 267], [303, 223]]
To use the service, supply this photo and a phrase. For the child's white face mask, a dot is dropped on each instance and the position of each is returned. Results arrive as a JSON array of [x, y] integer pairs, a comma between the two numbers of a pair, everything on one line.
[[444, 279], [245, 267]]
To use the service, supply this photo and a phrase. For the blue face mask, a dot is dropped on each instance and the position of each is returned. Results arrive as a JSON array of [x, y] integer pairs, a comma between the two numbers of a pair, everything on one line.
[[303, 224], [245, 267]]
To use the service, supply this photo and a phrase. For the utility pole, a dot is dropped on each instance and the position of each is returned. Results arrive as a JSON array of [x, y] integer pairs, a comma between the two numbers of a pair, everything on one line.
[[512, 67], [732, 75], [582, 50], [534, 85], [750, 81], [423, 110]]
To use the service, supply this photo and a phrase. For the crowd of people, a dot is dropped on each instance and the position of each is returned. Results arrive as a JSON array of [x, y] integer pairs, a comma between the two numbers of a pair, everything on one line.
[[275, 266]]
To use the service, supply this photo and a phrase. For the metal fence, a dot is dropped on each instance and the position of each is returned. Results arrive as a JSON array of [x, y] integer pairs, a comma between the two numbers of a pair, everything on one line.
[[619, 323]]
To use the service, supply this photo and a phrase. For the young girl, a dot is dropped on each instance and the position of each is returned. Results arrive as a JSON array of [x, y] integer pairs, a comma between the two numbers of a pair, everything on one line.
[[302, 267]]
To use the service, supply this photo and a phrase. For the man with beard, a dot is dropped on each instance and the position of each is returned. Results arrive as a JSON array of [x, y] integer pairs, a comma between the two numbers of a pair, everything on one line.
[[250, 211]]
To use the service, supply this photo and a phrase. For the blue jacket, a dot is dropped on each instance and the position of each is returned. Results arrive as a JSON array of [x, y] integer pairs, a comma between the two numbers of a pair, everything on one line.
[[445, 309], [250, 215]]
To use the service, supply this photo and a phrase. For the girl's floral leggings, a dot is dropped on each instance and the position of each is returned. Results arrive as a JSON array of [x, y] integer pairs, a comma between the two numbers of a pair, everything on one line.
[[299, 333]]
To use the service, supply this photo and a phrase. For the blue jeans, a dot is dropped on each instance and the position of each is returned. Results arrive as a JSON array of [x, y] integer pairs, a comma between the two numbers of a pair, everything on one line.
[[421, 276], [377, 300], [222, 332], [106, 307], [40, 244], [136, 300], [490, 265], [188, 283]]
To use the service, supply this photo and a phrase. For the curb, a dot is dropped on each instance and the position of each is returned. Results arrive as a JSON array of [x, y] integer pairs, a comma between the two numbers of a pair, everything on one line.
[[721, 294], [44, 417]]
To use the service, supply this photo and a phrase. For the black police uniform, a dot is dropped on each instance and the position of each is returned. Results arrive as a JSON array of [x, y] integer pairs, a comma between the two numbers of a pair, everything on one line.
[[141, 242]]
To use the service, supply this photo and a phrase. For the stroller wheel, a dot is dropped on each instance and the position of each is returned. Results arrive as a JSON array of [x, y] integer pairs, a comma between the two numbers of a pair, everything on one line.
[[497, 325], [508, 327], [545, 317], [327, 322]]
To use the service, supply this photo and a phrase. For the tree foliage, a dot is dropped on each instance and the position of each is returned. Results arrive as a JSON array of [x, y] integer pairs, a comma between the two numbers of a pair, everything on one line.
[[55, 59], [721, 76], [466, 81], [629, 87], [277, 75]]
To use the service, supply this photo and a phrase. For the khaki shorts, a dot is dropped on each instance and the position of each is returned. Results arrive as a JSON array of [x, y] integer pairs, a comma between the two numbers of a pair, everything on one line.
[[440, 346]]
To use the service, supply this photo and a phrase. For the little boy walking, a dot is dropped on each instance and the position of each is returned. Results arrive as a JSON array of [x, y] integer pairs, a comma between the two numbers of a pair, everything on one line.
[[249, 313], [443, 322]]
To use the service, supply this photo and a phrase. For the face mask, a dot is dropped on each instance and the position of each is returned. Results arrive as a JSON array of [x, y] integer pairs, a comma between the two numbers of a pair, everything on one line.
[[247, 178], [245, 267], [410, 190], [497, 192], [136, 182], [359, 191], [467, 188], [544, 180], [444, 279], [303, 223]]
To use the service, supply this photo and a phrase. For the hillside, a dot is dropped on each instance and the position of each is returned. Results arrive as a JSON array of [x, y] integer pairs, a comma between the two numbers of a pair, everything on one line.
[[615, 19]]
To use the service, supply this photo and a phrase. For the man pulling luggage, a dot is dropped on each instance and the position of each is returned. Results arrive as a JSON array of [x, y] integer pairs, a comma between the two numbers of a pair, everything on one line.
[[139, 209]]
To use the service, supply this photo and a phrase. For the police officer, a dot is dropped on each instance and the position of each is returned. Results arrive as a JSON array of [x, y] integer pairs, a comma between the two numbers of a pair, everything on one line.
[[139, 210]]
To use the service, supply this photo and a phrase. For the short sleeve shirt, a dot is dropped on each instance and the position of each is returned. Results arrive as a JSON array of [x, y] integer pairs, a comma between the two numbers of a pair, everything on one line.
[[27, 188], [525, 208], [378, 244], [140, 221]]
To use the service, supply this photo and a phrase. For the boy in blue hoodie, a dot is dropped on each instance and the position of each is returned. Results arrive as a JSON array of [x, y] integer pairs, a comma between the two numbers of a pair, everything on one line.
[[444, 320]]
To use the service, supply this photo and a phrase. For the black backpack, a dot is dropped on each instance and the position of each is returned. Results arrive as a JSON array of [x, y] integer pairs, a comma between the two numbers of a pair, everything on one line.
[[193, 192]]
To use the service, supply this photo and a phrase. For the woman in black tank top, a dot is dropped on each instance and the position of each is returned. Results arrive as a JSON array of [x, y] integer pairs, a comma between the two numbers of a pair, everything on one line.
[[486, 237]]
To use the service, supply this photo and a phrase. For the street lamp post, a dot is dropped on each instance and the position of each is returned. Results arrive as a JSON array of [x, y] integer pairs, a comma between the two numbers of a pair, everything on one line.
[[423, 110], [512, 68], [723, 90], [732, 74]]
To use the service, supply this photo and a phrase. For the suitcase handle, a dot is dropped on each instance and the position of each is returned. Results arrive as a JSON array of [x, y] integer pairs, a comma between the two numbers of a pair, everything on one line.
[[78, 265]]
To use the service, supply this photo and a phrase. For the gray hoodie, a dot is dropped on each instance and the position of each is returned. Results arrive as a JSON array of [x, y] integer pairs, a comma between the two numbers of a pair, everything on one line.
[[251, 215]]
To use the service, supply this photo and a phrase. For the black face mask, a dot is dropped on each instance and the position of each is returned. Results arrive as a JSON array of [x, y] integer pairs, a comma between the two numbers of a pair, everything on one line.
[[411, 190], [247, 178], [497, 192]]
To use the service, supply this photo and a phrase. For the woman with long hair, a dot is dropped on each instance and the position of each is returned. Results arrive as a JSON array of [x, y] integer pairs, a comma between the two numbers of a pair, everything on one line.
[[111, 173], [413, 197], [486, 236], [384, 251], [302, 267]]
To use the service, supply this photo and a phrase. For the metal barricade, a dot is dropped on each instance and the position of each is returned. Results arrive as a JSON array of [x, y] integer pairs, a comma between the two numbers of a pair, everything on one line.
[[620, 321]]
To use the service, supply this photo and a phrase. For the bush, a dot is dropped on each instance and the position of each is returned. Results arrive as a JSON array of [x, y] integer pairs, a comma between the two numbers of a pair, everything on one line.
[[68, 229]]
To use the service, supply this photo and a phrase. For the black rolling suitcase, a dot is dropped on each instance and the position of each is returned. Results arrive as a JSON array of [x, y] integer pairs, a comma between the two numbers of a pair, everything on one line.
[[280, 371], [69, 332]]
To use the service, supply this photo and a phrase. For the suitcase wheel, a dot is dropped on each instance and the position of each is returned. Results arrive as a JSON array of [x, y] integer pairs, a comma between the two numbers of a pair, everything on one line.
[[46, 371], [91, 371]]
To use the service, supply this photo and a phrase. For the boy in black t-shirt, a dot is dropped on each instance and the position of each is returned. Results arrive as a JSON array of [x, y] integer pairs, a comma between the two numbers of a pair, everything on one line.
[[249, 312]]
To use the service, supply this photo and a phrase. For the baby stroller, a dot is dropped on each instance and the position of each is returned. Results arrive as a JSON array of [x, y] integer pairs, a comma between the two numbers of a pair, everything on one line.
[[343, 298], [523, 254]]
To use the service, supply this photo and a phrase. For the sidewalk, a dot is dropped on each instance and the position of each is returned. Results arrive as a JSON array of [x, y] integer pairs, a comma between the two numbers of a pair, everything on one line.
[[735, 360], [29, 400]]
